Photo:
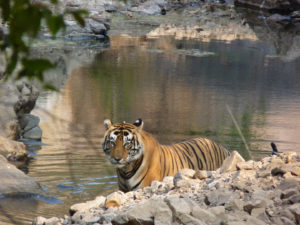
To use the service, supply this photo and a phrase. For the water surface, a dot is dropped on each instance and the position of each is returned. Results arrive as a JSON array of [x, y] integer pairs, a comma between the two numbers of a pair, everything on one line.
[[180, 88]]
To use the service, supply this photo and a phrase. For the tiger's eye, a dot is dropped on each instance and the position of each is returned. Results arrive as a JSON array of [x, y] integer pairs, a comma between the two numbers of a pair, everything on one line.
[[126, 133], [116, 133]]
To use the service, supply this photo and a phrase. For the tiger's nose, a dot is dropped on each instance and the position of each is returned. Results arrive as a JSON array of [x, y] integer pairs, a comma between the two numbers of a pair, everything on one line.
[[117, 159]]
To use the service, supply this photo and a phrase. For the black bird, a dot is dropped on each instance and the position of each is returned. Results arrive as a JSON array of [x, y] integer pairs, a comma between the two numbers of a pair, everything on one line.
[[274, 147]]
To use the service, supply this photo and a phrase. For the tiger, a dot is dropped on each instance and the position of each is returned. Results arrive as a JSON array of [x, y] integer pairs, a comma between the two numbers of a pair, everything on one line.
[[139, 159]]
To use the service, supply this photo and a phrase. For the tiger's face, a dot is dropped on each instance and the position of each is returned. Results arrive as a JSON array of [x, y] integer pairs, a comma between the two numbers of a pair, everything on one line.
[[122, 143]]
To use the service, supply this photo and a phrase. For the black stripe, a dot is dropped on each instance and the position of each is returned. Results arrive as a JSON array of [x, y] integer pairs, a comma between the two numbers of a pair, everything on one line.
[[173, 161], [202, 153], [164, 170], [179, 157], [196, 155], [135, 186], [182, 150], [218, 154]]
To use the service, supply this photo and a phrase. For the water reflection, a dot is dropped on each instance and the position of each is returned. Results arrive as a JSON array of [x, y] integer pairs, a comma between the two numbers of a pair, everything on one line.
[[179, 92]]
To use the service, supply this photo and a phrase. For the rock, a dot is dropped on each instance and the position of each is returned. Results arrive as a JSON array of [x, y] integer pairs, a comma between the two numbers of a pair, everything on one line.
[[289, 183], [97, 27], [13, 150], [293, 168], [234, 205], [202, 174], [34, 134], [168, 181], [15, 181], [270, 5], [220, 197], [294, 199], [278, 18], [266, 171], [28, 121], [185, 183], [178, 205], [249, 165], [219, 212], [254, 203], [181, 209], [29, 127], [253, 220], [230, 163], [97, 202], [150, 7], [184, 173], [145, 213], [107, 218], [28, 95], [289, 192], [184, 178], [295, 209], [43, 221], [115, 199], [204, 215]]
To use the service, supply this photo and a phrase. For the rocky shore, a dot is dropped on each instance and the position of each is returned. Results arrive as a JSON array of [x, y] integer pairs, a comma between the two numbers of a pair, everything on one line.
[[262, 192]]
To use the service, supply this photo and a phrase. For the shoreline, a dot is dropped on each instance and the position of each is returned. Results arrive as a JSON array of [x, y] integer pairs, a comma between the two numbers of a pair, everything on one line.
[[262, 192]]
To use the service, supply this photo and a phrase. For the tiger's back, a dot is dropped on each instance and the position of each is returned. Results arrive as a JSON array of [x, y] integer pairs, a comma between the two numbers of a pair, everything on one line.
[[197, 154], [139, 158]]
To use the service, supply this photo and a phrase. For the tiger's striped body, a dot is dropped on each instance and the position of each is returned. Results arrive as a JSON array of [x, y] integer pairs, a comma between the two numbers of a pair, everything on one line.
[[140, 159]]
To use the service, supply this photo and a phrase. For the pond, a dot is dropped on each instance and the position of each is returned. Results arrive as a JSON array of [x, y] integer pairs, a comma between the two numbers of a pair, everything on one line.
[[180, 88]]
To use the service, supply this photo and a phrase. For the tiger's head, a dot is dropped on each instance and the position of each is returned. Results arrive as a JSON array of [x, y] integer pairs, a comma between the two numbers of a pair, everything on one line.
[[122, 142]]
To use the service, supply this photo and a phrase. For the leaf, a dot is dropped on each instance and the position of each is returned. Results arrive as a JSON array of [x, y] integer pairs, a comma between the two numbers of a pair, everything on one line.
[[78, 16], [12, 63], [49, 87], [5, 9], [37, 64], [55, 23], [34, 68]]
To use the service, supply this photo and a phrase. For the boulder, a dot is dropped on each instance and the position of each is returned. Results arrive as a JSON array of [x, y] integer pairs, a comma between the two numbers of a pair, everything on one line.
[[202, 214], [44, 221], [280, 6], [97, 202], [28, 121], [150, 7], [28, 95], [202, 174], [153, 211], [35, 134], [249, 165], [293, 168], [230, 163], [220, 197], [295, 209], [14, 181], [115, 199], [12, 150]]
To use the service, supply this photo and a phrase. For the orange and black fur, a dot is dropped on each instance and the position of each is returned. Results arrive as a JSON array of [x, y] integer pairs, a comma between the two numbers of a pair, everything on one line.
[[140, 159]]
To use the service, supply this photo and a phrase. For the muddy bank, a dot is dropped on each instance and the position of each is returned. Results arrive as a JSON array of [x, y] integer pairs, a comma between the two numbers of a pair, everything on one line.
[[262, 192]]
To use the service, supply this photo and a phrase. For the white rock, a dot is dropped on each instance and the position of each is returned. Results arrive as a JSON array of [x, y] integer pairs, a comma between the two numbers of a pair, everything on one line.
[[230, 163], [97, 202], [115, 199]]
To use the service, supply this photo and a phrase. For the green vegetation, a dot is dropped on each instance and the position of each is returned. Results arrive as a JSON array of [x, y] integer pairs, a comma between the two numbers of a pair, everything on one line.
[[24, 19]]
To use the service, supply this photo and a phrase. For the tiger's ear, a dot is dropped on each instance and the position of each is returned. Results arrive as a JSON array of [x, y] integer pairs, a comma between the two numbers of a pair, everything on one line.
[[139, 124], [107, 124]]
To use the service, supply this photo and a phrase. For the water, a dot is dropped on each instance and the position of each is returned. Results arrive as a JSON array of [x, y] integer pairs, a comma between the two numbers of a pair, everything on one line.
[[180, 88]]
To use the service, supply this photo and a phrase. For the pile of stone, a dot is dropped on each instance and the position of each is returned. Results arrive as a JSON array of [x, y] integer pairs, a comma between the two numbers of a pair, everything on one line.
[[263, 192], [28, 124]]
